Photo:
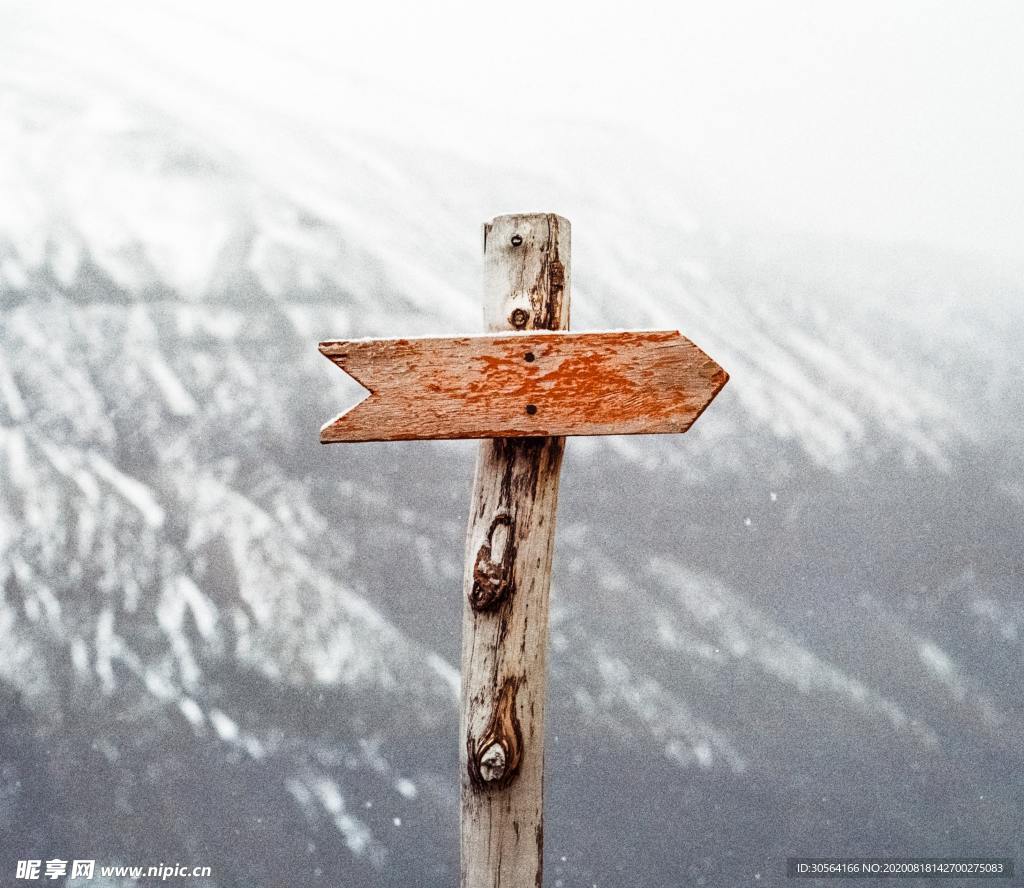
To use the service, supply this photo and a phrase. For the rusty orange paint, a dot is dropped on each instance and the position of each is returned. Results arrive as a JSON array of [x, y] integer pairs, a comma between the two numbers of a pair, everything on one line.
[[623, 383]]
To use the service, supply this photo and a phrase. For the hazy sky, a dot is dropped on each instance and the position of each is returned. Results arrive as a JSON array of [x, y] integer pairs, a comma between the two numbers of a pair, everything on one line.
[[888, 120], [894, 119]]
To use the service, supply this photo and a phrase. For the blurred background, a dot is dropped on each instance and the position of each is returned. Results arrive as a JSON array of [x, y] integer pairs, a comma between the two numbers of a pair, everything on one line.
[[797, 630]]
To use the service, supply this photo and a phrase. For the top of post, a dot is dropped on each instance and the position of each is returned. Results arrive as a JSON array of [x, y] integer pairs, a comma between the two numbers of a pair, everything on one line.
[[526, 272]]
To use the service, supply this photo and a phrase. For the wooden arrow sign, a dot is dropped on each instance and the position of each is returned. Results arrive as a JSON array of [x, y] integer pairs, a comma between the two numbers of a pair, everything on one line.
[[523, 385]]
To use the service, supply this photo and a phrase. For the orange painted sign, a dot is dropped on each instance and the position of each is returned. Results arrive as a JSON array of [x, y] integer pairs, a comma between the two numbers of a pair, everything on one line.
[[523, 385]]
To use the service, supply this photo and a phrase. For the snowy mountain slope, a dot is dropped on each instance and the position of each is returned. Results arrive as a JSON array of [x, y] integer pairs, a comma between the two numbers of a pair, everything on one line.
[[224, 642], [166, 182]]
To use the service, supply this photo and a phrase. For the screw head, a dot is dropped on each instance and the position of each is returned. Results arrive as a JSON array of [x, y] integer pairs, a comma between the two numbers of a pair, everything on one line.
[[517, 239], [531, 409], [519, 318]]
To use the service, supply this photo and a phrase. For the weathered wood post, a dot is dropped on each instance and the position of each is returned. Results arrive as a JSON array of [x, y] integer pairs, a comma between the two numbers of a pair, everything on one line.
[[509, 546], [520, 392]]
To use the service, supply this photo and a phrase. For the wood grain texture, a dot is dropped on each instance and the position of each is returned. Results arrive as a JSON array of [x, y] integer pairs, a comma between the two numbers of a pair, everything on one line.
[[541, 384], [509, 547]]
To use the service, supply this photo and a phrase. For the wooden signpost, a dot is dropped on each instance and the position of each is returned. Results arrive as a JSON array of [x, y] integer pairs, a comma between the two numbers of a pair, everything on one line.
[[521, 389]]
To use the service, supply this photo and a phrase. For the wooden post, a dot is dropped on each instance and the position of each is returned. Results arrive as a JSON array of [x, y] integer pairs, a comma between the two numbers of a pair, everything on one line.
[[509, 545]]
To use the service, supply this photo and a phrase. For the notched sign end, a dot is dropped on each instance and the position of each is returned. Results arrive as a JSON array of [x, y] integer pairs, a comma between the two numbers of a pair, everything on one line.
[[337, 429]]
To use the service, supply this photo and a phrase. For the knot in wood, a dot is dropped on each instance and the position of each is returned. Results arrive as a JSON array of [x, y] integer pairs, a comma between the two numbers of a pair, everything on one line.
[[494, 759], [492, 762], [519, 318], [492, 569]]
